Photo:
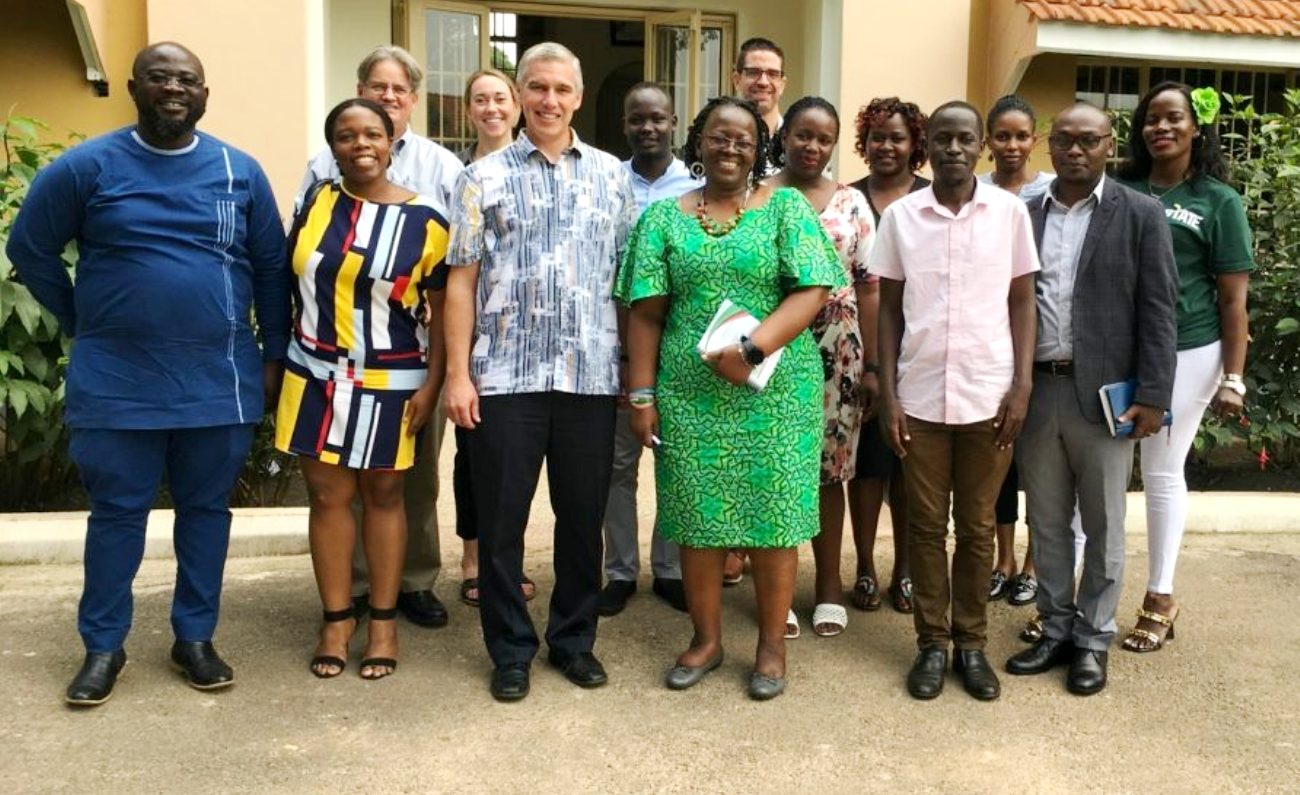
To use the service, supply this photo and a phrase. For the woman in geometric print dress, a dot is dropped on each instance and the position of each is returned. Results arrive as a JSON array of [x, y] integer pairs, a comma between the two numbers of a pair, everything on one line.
[[363, 372], [845, 330]]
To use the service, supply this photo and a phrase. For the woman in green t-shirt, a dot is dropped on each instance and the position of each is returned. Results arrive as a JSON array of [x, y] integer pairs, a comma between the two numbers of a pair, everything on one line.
[[1174, 155]]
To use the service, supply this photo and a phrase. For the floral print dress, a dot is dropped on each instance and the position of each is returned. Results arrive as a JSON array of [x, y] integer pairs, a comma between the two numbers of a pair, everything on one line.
[[847, 219]]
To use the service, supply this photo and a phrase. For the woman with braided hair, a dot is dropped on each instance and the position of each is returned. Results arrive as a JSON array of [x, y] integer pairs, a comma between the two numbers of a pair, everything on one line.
[[735, 467]]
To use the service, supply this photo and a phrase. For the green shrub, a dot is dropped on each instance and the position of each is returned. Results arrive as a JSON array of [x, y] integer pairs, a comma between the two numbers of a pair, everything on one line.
[[34, 468], [1265, 166]]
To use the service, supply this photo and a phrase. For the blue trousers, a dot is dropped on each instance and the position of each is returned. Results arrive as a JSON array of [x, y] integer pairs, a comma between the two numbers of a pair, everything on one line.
[[121, 471]]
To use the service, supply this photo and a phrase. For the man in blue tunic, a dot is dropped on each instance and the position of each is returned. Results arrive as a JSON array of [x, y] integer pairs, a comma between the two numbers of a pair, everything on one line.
[[178, 238]]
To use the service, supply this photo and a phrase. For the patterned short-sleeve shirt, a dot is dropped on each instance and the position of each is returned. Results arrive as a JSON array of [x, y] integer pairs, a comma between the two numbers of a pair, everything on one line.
[[548, 238]]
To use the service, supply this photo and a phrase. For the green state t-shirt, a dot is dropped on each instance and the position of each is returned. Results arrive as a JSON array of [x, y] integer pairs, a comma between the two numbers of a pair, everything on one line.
[[1211, 237]]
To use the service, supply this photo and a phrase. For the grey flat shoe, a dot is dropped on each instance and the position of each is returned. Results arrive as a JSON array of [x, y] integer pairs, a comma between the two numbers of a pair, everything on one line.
[[680, 677], [762, 688]]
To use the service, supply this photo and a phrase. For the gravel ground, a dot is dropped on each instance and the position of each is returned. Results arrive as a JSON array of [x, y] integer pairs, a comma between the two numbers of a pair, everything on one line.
[[1215, 711]]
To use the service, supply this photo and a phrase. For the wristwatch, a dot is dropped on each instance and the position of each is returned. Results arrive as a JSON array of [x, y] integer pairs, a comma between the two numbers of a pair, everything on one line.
[[752, 354], [1233, 381]]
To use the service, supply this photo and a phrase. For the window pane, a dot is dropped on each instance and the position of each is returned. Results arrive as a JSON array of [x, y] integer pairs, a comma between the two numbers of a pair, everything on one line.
[[710, 72], [672, 71], [452, 42]]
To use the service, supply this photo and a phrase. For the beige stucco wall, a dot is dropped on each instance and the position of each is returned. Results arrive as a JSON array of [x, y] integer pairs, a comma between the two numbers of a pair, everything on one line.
[[42, 74], [922, 55], [1048, 86], [264, 63]]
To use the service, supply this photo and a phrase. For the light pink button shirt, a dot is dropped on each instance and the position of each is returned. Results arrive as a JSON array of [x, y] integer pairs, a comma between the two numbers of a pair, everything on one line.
[[956, 362]]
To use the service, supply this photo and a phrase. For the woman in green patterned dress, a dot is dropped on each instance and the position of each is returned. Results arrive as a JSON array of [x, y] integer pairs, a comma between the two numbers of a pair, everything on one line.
[[735, 467]]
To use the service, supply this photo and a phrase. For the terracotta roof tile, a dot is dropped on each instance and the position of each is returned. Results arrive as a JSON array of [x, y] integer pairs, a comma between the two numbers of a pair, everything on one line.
[[1244, 17]]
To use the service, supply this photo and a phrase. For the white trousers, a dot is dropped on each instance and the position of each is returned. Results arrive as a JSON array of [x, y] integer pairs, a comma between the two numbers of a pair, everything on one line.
[[1164, 457]]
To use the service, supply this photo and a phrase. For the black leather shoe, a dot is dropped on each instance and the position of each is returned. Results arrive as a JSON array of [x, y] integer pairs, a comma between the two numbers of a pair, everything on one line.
[[198, 662], [977, 675], [93, 684], [582, 669], [671, 591], [613, 597], [422, 608], [1087, 672], [510, 682], [925, 680], [1043, 656]]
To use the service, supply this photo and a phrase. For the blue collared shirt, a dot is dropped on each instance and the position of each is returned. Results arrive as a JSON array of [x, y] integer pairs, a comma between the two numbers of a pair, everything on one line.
[[548, 238], [674, 182]]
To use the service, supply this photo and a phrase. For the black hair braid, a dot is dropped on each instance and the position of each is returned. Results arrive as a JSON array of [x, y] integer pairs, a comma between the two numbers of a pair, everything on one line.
[[777, 152], [691, 155], [1009, 104], [1207, 154]]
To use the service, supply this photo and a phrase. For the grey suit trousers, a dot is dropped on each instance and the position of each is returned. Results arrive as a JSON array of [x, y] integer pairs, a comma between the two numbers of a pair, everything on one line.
[[1061, 455], [622, 550]]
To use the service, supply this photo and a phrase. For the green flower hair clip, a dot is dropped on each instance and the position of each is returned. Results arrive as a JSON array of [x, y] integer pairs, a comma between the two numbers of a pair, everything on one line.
[[1205, 104]]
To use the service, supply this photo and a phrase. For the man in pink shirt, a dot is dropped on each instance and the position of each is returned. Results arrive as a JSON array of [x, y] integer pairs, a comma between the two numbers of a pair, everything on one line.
[[956, 263]]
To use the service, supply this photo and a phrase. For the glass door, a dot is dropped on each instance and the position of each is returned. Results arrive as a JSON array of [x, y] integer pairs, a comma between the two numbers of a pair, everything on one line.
[[450, 40], [684, 55]]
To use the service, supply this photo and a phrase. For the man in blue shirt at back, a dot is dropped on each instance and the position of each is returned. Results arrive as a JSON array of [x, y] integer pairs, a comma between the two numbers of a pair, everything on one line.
[[178, 237]]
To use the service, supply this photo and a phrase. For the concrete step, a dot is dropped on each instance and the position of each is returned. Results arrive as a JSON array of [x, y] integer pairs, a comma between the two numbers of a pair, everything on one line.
[[59, 537]]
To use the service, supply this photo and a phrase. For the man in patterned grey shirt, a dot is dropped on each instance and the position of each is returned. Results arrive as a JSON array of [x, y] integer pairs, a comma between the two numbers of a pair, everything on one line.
[[538, 229]]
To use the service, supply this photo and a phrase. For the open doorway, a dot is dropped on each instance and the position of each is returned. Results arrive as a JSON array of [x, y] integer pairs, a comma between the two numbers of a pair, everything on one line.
[[686, 51]]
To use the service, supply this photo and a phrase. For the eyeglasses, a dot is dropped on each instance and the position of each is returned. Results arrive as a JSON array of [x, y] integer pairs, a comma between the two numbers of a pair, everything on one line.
[[160, 79], [379, 89], [740, 145], [1064, 142], [754, 73]]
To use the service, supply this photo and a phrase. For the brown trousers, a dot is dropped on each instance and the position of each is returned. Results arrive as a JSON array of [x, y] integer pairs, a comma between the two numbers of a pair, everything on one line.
[[957, 465]]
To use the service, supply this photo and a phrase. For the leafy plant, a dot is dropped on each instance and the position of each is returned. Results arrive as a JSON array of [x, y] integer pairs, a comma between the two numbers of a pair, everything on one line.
[[34, 467], [1264, 152]]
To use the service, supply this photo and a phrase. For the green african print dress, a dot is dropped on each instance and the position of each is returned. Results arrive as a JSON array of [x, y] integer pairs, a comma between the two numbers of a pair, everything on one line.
[[737, 468]]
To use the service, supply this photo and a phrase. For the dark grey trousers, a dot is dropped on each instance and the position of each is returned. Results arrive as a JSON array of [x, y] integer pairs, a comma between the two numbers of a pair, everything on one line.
[[1061, 457]]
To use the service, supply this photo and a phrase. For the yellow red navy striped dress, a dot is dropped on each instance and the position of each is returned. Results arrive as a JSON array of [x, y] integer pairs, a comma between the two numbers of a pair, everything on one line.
[[359, 349]]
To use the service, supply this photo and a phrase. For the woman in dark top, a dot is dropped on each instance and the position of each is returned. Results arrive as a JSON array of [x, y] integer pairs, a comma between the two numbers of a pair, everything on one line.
[[891, 138]]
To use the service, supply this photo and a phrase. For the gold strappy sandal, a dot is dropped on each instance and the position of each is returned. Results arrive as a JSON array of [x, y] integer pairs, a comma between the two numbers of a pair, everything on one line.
[[1142, 640]]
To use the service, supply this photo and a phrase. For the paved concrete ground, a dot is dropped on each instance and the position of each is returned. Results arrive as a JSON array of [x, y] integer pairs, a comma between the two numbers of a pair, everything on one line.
[[1216, 711]]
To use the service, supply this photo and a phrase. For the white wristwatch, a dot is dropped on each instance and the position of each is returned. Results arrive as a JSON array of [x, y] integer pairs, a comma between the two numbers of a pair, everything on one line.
[[1233, 381]]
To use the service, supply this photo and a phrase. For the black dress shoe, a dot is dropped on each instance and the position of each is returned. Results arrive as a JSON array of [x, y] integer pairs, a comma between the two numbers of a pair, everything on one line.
[[1087, 672], [977, 675], [582, 668], [198, 662], [613, 597], [1043, 656], [93, 684], [925, 680], [671, 591], [510, 682], [422, 608]]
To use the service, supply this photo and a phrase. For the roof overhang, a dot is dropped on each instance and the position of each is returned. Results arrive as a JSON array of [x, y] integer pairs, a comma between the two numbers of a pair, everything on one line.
[[90, 21], [1016, 37], [1163, 44]]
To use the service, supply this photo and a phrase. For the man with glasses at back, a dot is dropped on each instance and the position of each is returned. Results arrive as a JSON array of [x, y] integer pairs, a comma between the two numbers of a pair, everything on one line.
[[390, 76], [759, 77]]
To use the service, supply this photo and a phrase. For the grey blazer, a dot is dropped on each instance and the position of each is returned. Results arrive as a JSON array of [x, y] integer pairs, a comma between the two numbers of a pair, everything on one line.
[[1125, 299]]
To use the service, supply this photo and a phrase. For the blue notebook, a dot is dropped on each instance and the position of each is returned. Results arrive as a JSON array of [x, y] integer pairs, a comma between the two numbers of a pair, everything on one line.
[[1115, 400]]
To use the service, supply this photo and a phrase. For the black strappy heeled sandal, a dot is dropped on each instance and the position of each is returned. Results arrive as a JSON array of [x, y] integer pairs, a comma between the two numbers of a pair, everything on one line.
[[331, 617], [378, 614]]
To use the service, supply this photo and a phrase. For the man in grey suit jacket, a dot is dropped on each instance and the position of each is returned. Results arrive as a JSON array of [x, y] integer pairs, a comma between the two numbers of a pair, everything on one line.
[[1106, 298]]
